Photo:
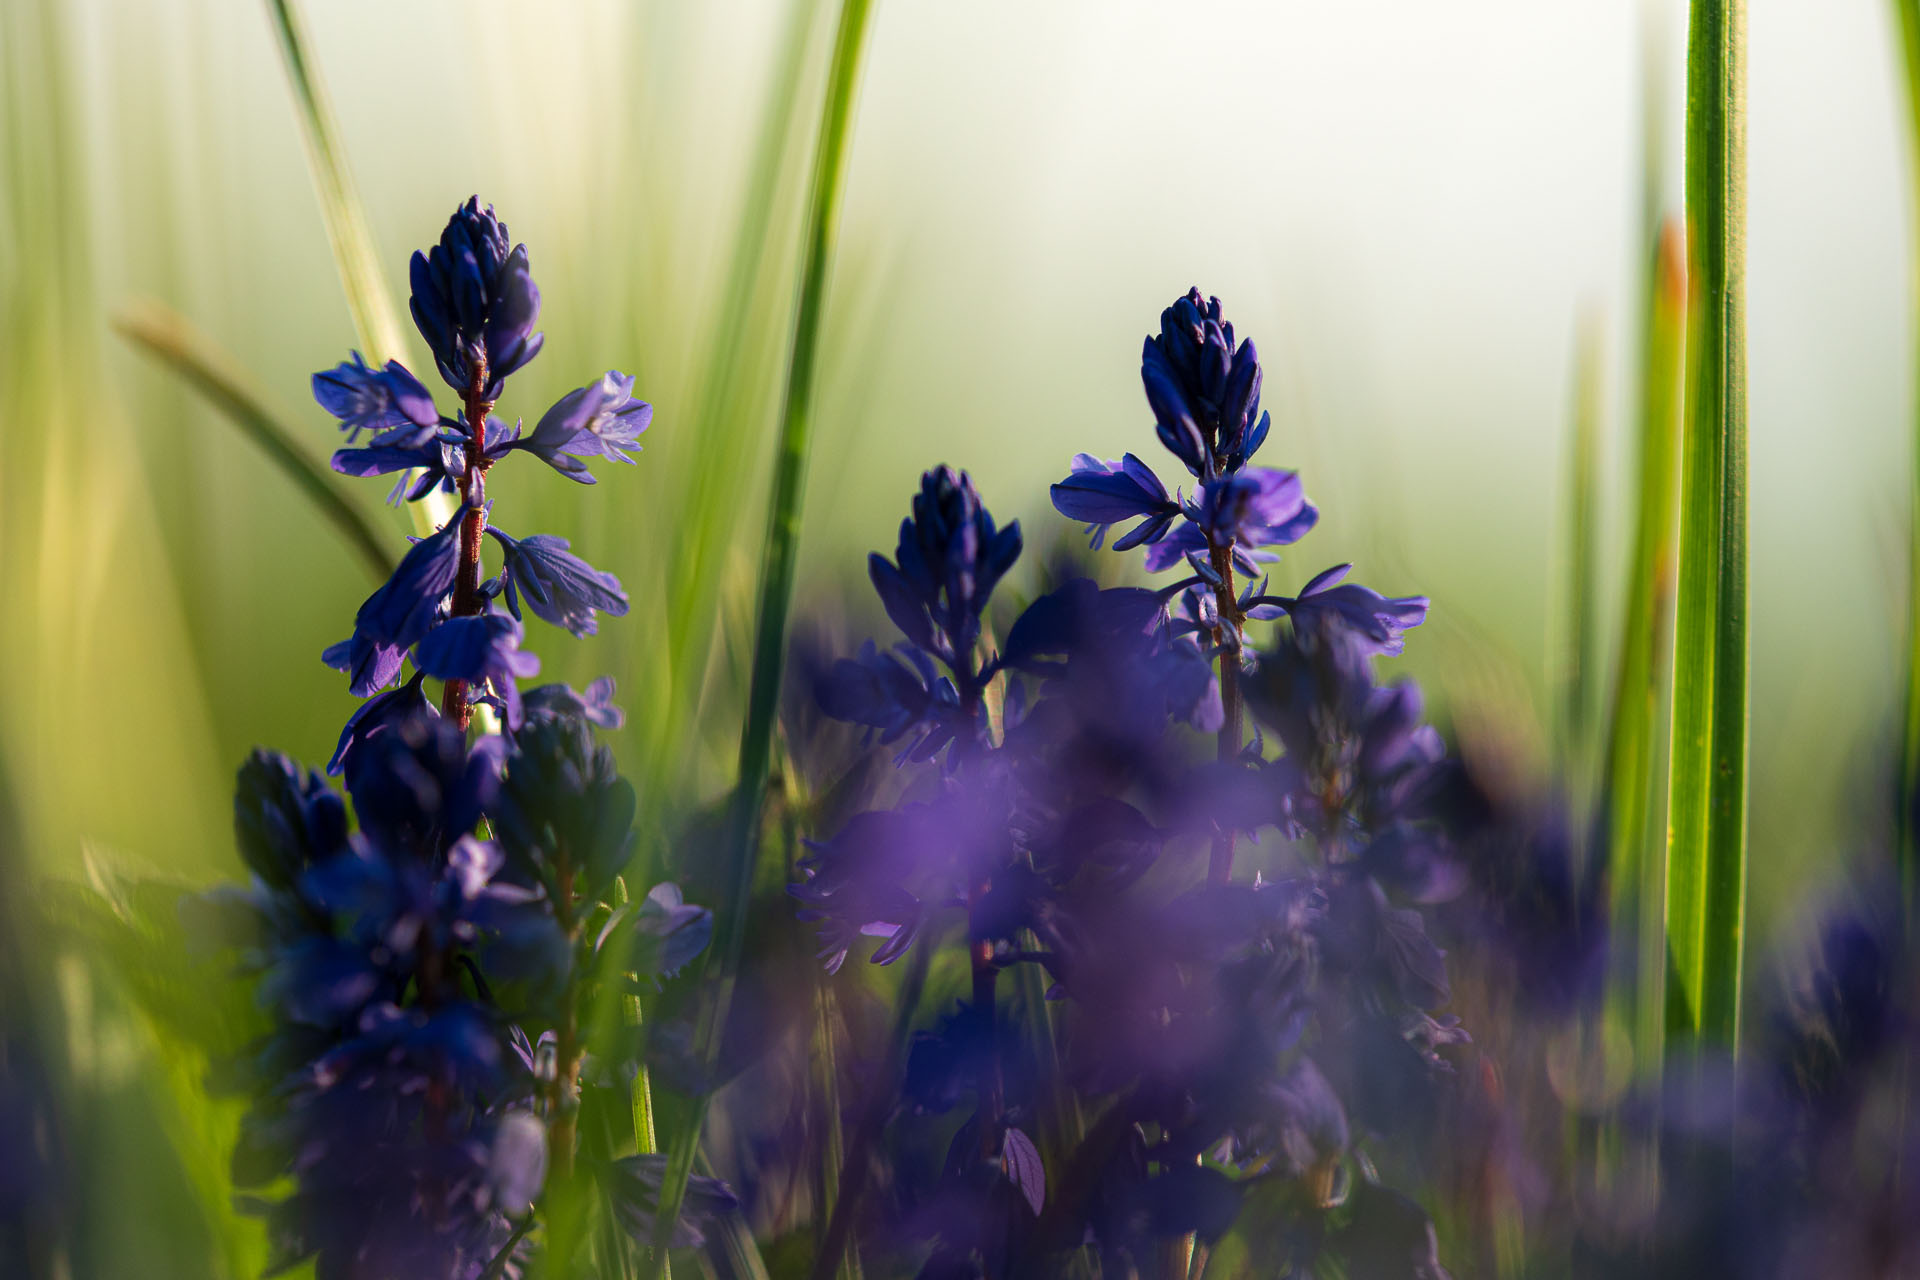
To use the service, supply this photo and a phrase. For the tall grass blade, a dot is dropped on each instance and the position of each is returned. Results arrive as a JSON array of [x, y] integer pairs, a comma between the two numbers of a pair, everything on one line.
[[1637, 851], [1907, 13], [173, 340], [1580, 663], [777, 565], [1706, 873], [375, 319]]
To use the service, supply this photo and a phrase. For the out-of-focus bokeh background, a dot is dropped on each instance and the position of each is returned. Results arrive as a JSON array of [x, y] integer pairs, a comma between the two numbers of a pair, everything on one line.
[[1410, 206]]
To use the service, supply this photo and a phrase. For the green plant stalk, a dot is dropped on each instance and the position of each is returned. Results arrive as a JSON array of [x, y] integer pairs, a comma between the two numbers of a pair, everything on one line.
[[1907, 16], [1580, 663], [1636, 846], [776, 586], [172, 339], [376, 321], [1634, 801], [1706, 876]]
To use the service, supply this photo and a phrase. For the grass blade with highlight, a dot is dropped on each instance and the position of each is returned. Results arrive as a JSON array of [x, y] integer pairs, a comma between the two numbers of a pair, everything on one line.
[[1635, 807], [778, 562], [375, 318], [1706, 871], [172, 339]]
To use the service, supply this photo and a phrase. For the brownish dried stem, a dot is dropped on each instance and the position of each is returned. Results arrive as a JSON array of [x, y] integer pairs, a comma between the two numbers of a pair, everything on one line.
[[456, 703]]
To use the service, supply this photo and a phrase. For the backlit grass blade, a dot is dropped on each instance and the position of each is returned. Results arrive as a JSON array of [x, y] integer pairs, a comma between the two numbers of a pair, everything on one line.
[[375, 318], [777, 565], [1706, 871], [1636, 737], [173, 340], [1907, 12]]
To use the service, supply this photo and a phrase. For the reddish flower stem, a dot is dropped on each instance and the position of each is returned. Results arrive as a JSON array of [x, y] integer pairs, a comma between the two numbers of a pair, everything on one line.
[[456, 703]]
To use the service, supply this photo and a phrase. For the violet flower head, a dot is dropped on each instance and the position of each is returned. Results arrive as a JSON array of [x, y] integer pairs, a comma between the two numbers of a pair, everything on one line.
[[1204, 390], [599, 420], [475, 302], [383, 401]]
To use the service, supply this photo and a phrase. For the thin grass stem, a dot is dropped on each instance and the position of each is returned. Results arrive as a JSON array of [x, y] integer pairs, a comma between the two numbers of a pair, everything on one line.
[[174, 340], [1706, 880]]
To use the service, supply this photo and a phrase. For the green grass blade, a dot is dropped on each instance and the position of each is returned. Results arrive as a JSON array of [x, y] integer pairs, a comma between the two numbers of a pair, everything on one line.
[[1636, 856], [173, 340], [1907, 13], [1706, 875], [777, 566], [1580, 664], [375, 318]]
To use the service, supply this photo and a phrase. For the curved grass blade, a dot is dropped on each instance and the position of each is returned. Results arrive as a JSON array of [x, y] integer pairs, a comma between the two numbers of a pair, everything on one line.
[[1706, 874], [777, 564], [173, 340], [375, 319]]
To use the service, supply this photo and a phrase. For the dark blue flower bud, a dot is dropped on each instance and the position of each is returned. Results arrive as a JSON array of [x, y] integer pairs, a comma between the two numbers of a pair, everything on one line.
[[474, 300], [1204, 391], [949, 559], [285, 818]]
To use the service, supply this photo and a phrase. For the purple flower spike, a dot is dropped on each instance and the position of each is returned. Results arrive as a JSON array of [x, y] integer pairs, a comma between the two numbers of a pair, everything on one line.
[[474, 298], [1105, 493], [601, 419]]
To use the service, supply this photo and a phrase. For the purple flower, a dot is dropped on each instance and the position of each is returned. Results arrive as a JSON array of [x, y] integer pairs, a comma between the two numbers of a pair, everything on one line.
[[1204, 391], [594, 705], [886, 694], [1375, 622], [1104, 493], [484, 647], [1257, 507], [601, 419], [474, 301], [559, 586], [438, 461], [396, 616], [378, 713], [376, 400]]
